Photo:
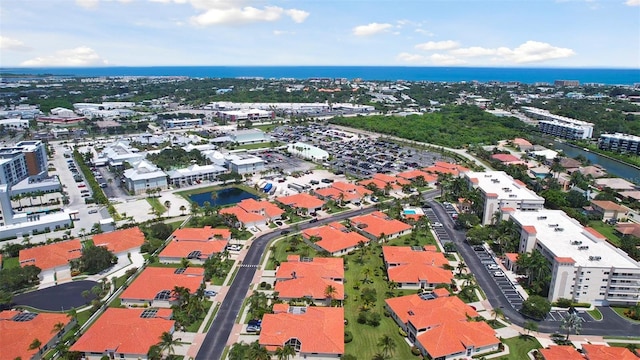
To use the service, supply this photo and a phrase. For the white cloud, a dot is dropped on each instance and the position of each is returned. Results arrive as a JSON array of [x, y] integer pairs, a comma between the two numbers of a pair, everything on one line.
[[283, 32], [529, 52], [443, 59], [370, 29], [80, 56], [12, 44], [424, 32], [632, 2], [438, 45], [297, 16], [248, 14], [411, 58], [88, 4]]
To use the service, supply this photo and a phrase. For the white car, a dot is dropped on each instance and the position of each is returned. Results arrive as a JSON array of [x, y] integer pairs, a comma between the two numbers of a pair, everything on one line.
[[493, 267], [437, 224], [498, 274]]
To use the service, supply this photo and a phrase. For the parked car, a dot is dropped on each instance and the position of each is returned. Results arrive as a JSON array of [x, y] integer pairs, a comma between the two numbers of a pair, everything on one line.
[[314, 220], [210, 293], [498, 274], [285, 232], [493, 267], [93, 211]]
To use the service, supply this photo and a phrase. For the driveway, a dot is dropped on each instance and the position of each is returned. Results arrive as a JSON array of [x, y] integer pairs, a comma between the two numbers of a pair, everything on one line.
[[57, 298], [611, 324]]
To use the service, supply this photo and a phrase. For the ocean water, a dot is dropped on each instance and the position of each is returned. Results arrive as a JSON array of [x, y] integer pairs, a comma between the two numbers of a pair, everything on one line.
[[444, 74]]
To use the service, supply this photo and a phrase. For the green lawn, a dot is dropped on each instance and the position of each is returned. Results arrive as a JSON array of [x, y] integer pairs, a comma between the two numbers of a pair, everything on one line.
[[595, 314], [156, 205], [283, 248], [620, 311], [519, 346], [9, 263], [607, 230], [84, 316], [264, 145], [175, 224]]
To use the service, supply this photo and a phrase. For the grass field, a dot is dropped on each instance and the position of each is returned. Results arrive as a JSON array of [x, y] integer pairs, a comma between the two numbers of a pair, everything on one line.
[[9, 263], [156, 205], [519, 346], [607, 230], [620, 311], [595, 314]]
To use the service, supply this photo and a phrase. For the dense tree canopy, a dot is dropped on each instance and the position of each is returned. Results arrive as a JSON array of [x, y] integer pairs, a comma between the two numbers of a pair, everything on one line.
[[95, 259], [18, 278], [177, 157]]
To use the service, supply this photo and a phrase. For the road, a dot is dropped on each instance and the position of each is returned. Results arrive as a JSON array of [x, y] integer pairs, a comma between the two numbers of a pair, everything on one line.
[[216, 339], [611, 324]]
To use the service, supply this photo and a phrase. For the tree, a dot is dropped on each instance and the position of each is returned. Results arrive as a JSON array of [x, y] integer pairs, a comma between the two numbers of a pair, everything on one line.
[[168, 343], [258, 352], [182, 209], [461, 267], [57, 327], [530, 326], [497, 312], [329, 293], [154, 352], [94, 259], [167, 204], [380, 356], [285, 353], [35, 344], [572, 322], [387, 344], [536, 307]]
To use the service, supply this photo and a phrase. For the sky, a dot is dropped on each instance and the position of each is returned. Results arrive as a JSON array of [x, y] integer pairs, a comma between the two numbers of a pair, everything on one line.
[[490, 33]]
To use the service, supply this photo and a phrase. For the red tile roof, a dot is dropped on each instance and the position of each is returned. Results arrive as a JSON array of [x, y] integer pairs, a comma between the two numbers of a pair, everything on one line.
[[414, 174], [319, 329], [513, 257], [378, 223], [529, 229], [408, 266], [120, 240], [608, 205], [18, 335], [155, 279], [564, 260], [335, 237], [124, 331], [629, 229], [565, 352], [302, 201], [452, 337], [53, 255], [308, 287], [595, 233], [505, 158], [249, 211], [181, 249], [441, 167], [327, 268], [201, 234], [604, 352], [430, 313]]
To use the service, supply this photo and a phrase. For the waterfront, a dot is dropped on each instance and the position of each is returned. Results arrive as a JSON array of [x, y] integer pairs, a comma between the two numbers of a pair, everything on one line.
[[223, 197], [613, 167]]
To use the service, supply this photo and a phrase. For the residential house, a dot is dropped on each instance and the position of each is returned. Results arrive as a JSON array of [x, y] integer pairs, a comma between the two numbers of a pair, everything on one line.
[[413, 268], [562, 352], [314, 332], [195, 244], [20, 328], [251, 212], [441, 327], [442, 167], [121, 242], [413, 175], [387, 183], [606, 352], [309, 278], [378, 225], [507, 159], [124, 333], [154, 287], [334, 238], [303, 202], [344, 193], [522, 144], [610, 210], [53, 259]]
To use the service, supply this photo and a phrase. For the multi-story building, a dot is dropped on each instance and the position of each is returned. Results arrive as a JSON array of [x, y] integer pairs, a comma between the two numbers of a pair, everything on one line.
[[558, 125], [499, 190], [144, 175], [243, 163], [194, 173], [182, 123], [25, 159], [623, 143], [584, 266]]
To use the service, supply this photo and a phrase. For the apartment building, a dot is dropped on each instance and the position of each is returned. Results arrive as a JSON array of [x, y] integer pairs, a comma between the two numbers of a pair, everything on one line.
[[623, 143], [584, 266], [499, 190], [558, 125]]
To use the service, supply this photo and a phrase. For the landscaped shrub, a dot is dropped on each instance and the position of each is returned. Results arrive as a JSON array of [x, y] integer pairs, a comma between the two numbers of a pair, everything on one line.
[[402, 332], [374, 319], [415, 351], [348, 337], [362, 317], [562, 302]]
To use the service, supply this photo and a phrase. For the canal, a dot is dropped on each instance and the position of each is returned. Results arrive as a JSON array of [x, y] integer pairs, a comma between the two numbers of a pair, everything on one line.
[[613, 167]]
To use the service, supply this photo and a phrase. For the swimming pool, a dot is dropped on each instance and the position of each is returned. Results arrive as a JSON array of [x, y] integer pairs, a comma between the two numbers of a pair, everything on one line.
[[410, 212]]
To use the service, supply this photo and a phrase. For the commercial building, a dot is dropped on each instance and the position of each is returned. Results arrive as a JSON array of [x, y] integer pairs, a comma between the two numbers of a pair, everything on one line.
[[560, 126], [116, 154], [182, 123], [25, 159], [20, 328], [248, 114], [499, 190], [15, 124], [143, 176], [584, 266], [307, 151], [243, 163], [623, 143], [194, 173]]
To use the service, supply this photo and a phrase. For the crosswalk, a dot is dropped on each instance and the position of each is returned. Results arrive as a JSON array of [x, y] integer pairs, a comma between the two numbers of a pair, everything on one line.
[[250, 266]]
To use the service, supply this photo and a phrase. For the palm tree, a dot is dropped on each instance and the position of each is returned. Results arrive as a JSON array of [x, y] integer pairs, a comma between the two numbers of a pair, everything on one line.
[[183, 209], [530, 325], [497, 312], [154, 353], [461, 267], [572, 322], [286, 352], [380, 356], [366, 272], [167, 204], [35, 344], [329, 293], [168, 343], [387, 344], [258, 352]]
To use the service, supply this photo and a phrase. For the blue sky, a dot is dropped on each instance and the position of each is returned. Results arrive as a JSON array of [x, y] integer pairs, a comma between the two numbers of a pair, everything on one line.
[[512, 33]]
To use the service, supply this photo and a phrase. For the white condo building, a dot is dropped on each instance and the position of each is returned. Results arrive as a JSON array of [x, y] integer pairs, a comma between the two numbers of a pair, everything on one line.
[[499, 191], [584, 266], [144, 175], [243, 163], [560, 126], [623, 143]]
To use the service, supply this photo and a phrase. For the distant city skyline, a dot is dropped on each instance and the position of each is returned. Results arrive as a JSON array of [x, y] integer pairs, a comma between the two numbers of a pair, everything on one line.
[[493, 33]]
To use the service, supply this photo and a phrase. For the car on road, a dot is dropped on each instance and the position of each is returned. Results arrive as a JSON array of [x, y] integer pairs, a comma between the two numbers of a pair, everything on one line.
[[498, 274], [314, 220], [285, 232], [93, 211], [437, 224]]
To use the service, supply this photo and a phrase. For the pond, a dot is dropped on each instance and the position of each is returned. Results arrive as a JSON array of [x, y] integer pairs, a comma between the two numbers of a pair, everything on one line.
[[222, 197]]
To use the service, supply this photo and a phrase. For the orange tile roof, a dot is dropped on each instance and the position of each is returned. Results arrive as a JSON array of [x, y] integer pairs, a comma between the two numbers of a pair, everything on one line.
[[564, 260], [441, 167], [327, 268], [378, 223], [18, 335], [124, 331], [335, 237], [311, 287], [529, 229], [409, 266], [201, 234], [603, 352], [629, 229], [505, 158], [155, 279], [564, 352], [249, 211], [349, 192], [384, 178], [120, 240], [181, 249], [53, 255], [414, 174], [320, 330], [521, 142], [513, 257], [243, 216], [608, 205], [452, 337], [441, 292], [302, 201], [429, 313]]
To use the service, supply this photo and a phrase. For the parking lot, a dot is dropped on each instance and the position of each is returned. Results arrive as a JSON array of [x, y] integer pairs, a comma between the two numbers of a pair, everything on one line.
[[498, 275], [437, 227], [559, 315]]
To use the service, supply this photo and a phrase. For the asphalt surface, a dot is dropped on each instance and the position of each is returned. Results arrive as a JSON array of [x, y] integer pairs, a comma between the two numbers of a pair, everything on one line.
[[216, 339], [57, 298], [611, 324]]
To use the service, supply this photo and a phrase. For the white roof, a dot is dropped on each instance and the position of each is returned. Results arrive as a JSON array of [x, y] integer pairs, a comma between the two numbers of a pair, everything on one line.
[[143, 170], [244, 159], [560, 242], [503, 185], [196, 170]]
